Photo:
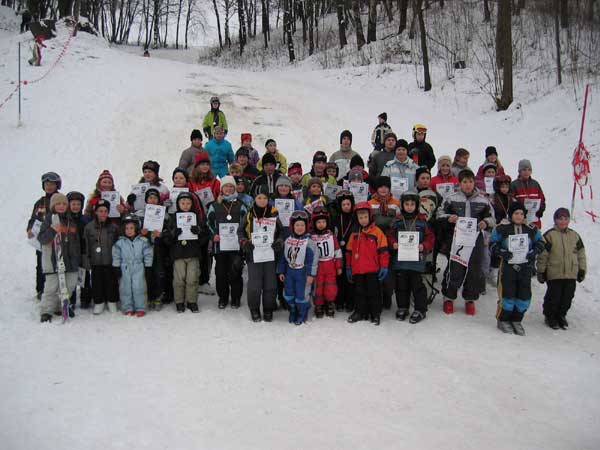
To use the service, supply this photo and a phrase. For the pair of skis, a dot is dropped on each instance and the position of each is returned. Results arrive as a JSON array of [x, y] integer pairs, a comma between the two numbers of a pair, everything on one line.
[[62, 277]]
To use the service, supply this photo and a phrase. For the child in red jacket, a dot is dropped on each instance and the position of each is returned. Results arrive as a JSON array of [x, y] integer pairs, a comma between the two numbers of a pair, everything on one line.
[[367, 259], [330, 263]]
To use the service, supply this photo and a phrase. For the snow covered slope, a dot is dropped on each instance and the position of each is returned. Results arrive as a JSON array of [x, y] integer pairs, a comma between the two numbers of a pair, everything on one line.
[[216, 380]]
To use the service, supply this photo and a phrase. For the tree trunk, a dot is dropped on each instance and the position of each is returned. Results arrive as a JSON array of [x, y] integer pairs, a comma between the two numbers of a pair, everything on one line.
[[155, 20], [418, 5], [341, 23], [564, 14], [302, 10], [218, 24], [486, 11], [311, 27], [265, 22], [178, 22], [504, 41], [360, 37], [557, 36], [166, 25], [372, 22], [287, 28], [242, 23], [403, 6], [188, 19], [387, 5]]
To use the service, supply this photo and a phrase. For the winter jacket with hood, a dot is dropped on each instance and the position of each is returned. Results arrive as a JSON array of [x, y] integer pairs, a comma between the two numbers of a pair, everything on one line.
[[564, 255], [70, 244]]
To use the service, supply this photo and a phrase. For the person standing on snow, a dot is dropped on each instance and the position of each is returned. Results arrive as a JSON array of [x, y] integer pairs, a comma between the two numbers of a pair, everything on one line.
[[419, 150], [220, 153], [214, 118], [36, 58], [186, 160]]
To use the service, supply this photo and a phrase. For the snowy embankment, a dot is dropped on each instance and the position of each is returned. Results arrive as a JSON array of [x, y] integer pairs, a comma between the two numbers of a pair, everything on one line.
[[215, 380]]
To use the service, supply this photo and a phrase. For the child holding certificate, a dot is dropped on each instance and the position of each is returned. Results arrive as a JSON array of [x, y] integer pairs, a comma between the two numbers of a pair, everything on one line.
[[185, 236], [224, 216], [260, 240], [517, 244], [465, 214], [410, 238]]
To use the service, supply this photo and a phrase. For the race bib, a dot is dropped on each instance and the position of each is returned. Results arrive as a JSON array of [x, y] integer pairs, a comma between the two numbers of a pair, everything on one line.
[[295, 252], [325, 246]]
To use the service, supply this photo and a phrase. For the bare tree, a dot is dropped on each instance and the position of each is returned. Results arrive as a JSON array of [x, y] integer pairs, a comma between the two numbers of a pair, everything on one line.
[[218, 23], [265, 21], [341, 23], [242, 25], [557, 37], [287, 29], [418, 8], [486, 11], [564, 14], [372, 22], [403, 8], [360, 37], [504, 53], [179, 11]]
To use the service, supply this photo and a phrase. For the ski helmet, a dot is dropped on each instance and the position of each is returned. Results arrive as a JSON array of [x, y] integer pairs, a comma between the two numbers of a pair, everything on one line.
[[362, 206], [215, 99], [130, 218], [74, 195], [342, 195], [320, 212], [52, 177], [298, 216], [410, 195], [419, 127], [152, 191]]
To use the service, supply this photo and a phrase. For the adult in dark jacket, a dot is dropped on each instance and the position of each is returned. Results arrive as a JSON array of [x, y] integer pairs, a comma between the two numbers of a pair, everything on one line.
[[419, 150], [186, 161], [268, 176]]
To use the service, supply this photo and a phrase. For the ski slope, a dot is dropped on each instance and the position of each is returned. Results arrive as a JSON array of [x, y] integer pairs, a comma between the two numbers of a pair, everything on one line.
[[216, 380]]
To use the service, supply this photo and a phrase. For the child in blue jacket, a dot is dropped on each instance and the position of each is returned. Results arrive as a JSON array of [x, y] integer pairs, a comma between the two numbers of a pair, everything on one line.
[[297, 268], [132, 258]]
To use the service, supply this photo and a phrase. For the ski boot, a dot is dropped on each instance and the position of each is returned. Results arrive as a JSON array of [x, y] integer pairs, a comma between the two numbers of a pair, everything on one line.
[[255, 315], [448, 306], [416, 317], [193, 307], [470, 308], [46, 318], [505, 327], [330, 309], [319, 313], [518, 328]]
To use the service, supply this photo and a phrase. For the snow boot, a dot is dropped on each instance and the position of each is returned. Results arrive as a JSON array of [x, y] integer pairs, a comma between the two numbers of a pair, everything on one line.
[[376, 320], [180, 307], [330, 309], [193, 307], [416, 317], [505, 327], [46, 318], [355, 317], [401, 314], [303, 308], [552, 323], [206, 289], [128, 313], [562, 322], [223, 303], [235, 303], [140, 313], [157, 305], [293, 313], [39, 295], [470, 308], [98, 308], [319, 313], [448, 306], [71, 311], [268, 315], [255, 315], [112, 307], [518, 328], [339, 307]]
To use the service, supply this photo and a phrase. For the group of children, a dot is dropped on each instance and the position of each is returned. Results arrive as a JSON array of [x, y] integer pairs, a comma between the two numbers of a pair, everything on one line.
[[337, 237]]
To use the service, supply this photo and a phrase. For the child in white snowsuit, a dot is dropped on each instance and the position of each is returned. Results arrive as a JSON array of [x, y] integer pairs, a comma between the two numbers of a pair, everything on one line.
[[130, 255]]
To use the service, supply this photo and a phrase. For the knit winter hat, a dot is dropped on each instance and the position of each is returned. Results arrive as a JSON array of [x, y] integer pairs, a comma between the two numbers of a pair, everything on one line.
[[152, 191], [270, 141], [420, 171], [151, 165], [319, 156], [227, 179], [489, 165], [442, 159], [382, 181], [314, 180], [268, 158], [181, 171], [357, 161], [390, 134], [246, 137], [516, 206], [74, 195], [491, 150], [402, 143], [102, 204], [200, 158], [196, 134], [56, 198], [525, 164], [105, 174], [355, 175], [294, 168], [383, 116], [560, 212], [242, 151], [283, 181], [465, 173], [346, 133]]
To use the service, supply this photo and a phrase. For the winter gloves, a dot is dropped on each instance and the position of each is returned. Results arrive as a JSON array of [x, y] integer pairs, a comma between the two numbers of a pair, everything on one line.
[[541, 277], [349, 274], [580, 275], [382, 274], [131, 198], [118, 272], [247, 246], [277, 246]]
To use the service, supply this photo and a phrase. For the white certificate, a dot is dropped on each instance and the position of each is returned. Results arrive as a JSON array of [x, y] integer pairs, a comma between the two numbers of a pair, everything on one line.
[[263, 252], [228, 241], [265, 225], [154, 217], [518, 245], [489, 185], [140, 195], [173, 197], [445, 189], [399, 186], [35, 229], [408, 246], [285, 208], [185, 221], [360, 191], [465, 231], [298, 195], [532, 205], [311, 206], [114, 199], [206, 196], [343, 167], [331, 190]]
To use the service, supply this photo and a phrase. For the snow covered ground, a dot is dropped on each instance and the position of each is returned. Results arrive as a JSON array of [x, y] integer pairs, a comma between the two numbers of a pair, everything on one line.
[[218, 381]]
